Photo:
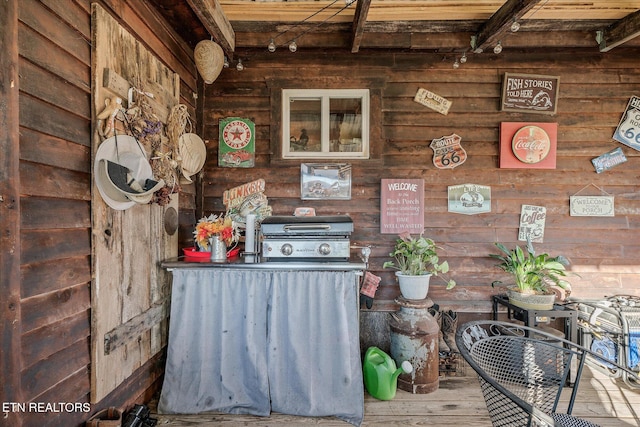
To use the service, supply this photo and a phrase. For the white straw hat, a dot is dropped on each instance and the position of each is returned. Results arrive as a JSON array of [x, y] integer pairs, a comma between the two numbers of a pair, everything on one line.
[[193, 153], [123, 174]]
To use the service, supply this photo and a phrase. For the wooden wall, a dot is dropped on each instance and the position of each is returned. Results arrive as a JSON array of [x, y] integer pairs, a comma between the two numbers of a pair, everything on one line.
[[594, 90], [45, 350]]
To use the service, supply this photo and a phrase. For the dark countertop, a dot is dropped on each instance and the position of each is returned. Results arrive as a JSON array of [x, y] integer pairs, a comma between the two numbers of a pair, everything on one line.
[[241, 263]]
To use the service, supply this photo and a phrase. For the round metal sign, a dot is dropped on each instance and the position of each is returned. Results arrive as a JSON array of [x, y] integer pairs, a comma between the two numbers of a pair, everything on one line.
[[236, 134], [531, 144]]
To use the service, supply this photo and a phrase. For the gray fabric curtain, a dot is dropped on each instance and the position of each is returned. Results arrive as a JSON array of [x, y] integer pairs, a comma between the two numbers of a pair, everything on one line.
[[252, 341]]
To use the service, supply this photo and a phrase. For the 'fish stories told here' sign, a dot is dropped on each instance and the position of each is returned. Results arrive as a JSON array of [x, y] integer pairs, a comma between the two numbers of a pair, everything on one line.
[[530, 93], [401, 206]]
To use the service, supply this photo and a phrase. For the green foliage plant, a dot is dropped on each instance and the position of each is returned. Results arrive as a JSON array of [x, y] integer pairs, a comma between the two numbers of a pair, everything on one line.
[[416, 256], [536, 274]]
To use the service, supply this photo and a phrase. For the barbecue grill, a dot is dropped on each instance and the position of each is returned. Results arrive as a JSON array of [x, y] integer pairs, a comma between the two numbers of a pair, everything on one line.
[[306, 238]]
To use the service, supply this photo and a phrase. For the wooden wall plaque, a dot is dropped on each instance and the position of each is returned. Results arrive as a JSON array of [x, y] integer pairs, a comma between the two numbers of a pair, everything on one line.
[[530, 93], [401, 206]]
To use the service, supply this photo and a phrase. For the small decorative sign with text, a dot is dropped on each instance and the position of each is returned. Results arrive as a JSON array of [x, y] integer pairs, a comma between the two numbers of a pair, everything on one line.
[[401, 206], [628, 130], [608, 160], [593, 205], [530, 93], [469, 199], [448, 152], [532, 220], [236, 145], [433, 101]]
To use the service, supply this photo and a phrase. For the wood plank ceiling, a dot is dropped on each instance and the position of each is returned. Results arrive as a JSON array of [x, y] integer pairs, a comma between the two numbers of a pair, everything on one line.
[[432, 25]]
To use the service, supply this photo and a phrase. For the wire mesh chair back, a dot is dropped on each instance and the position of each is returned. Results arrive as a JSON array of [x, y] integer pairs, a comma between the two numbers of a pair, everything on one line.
[[521, 371]]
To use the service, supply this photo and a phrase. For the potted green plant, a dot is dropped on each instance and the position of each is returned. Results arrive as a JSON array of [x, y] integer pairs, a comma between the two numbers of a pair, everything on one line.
[[535, 276], [416, 260]]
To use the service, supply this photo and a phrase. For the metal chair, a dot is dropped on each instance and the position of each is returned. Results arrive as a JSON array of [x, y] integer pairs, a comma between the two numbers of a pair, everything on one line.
[[522, 371]]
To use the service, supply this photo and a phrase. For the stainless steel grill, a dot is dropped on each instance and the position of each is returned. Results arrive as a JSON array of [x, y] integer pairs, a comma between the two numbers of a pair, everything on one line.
[[306, 238]]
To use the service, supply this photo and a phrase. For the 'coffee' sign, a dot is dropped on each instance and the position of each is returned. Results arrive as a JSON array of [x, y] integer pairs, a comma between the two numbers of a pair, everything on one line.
[[401, 206], [530, 93]]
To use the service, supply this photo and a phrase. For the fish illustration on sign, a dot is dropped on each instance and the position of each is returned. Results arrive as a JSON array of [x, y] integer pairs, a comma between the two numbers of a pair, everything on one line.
[[448, 152]]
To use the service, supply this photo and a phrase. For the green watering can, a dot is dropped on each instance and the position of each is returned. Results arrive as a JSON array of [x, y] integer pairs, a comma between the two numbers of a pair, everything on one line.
[[381, 374]]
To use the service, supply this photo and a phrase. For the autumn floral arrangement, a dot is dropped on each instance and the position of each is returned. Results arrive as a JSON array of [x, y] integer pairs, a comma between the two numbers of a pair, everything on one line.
[[213, 224]]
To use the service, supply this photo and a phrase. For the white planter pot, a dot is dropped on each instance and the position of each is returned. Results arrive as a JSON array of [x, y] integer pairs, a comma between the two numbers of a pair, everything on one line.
[[413, 287]]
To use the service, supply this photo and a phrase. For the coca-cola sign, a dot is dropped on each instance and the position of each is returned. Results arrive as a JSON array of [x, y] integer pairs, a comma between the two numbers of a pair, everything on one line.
[[528, 145], [531, 144]]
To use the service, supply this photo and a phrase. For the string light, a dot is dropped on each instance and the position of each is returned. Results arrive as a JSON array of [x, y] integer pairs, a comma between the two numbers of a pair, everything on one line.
[[498, 48], [239, 65], [293, 46], [456, 64], [515, 26], [463, 59]]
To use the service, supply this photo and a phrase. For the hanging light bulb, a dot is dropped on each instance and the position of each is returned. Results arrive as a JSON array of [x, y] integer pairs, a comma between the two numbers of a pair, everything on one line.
[[498, 48], [272, 46], [226, 62], [293, 46], [239, 65], [456, 64], [463, 59], [515, 26]]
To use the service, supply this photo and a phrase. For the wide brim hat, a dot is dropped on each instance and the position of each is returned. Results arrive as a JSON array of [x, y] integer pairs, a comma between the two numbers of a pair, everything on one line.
[[123, 174], [193, 153]]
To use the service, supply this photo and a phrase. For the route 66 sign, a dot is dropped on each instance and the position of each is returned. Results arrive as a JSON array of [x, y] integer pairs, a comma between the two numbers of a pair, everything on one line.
[[628, 130], [447, 152]]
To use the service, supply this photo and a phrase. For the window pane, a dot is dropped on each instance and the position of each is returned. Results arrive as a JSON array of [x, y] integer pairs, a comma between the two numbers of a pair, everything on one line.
[[305, 124], [345, 124]]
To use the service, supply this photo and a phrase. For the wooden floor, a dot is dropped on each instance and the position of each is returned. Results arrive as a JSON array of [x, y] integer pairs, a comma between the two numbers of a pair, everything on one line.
[[457, 402]]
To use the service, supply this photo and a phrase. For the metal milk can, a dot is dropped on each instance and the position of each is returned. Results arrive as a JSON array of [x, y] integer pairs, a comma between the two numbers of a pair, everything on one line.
[[414, 338], [218, 248]]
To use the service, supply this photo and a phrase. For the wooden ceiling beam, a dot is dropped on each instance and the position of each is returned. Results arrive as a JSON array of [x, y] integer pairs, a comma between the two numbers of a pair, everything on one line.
[[359, 19], [619, 32], [500, 22], [212, 16]]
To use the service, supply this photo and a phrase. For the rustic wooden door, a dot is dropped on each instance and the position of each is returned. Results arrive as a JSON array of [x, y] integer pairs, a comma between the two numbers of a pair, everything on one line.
[[130, 292]]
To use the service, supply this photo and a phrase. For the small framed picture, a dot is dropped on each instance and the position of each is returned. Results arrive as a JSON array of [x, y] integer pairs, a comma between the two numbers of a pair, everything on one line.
[[325, 181]]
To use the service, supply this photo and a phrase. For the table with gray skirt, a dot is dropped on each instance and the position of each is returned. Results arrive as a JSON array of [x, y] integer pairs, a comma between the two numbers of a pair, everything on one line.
[[252, 338]]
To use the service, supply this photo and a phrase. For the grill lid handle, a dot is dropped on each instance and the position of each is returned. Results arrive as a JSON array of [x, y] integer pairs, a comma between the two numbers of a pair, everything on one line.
[[306, 227]]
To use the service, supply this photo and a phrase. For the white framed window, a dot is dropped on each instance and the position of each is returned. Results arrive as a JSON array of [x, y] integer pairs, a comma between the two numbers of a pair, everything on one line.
[[325, 123]]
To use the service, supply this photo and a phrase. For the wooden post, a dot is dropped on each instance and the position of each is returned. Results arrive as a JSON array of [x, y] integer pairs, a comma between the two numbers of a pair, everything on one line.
[[10, 326]]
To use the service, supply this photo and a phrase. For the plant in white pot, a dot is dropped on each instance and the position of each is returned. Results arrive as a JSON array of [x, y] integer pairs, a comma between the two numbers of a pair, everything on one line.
[[535, 276], [416, 260]]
